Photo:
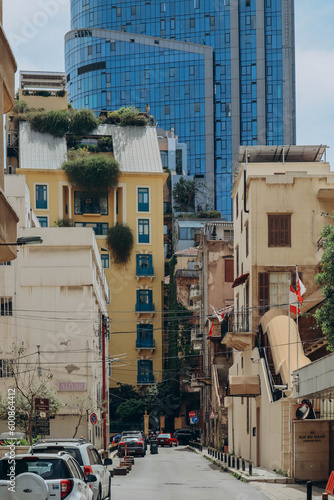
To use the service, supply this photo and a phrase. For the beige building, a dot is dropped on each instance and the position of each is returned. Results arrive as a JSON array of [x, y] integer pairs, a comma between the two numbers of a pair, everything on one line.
[[281, 196], [8, 217], [52, 299]]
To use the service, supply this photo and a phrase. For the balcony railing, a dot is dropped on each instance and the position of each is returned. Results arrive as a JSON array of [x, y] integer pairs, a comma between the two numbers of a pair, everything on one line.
[[187, 273], [143, 307], [145, 271], [145, 344], [239, 322], [145, 379]]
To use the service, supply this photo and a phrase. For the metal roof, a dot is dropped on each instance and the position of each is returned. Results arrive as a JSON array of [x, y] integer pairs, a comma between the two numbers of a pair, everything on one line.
[[284, 154]]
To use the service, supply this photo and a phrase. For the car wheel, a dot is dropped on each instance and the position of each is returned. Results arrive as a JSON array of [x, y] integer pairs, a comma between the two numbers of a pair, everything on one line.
[[109, 490], [171, 445], [99, 495], [143, 454]]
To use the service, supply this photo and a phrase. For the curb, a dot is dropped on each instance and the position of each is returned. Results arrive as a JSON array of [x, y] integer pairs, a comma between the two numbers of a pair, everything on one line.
[[238, 474]]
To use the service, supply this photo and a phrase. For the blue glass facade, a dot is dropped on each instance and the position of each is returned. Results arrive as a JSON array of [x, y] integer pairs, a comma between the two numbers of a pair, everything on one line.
[[211, 69]]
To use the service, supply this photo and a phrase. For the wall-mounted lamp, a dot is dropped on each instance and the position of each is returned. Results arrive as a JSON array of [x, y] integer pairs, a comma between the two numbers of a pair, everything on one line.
[[25, 240]]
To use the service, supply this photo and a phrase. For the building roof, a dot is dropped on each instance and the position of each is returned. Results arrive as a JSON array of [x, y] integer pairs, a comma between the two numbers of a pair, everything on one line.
[[188, 252], [135, 148], [283, 154]]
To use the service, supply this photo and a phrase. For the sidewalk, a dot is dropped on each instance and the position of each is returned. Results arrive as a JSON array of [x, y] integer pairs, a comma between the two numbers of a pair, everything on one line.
[[273, 485]]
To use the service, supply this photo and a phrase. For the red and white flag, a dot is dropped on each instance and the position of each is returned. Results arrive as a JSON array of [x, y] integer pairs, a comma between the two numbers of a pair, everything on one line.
[[300, 288], [211, 329], [293, 301], [220, 317]]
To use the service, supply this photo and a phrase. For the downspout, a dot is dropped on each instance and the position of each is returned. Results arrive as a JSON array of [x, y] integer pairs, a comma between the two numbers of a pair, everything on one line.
[[245, 172]]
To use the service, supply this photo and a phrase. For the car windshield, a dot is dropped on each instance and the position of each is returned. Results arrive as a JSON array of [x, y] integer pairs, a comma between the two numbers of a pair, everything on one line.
[[75, 452], [132, 438], [49, 468], [164, 436]]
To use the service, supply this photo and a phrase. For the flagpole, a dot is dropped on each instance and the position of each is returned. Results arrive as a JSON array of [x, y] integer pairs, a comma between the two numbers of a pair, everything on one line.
[[289, 339], [297, 343]]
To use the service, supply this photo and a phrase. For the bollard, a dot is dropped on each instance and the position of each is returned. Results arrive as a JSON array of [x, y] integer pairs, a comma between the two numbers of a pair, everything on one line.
[[250, 468], [229, 460], [243, 464], [325, 496], [309, 490], [225, 458], [233, 462], [238, 463]]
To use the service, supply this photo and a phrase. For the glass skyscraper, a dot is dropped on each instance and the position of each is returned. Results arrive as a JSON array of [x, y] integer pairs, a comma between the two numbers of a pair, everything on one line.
[[221, 73]]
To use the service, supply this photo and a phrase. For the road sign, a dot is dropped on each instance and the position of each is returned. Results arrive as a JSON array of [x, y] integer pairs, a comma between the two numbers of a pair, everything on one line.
[[192, 414], [42, 404], [93, 418], [194, 420], [212, 416]]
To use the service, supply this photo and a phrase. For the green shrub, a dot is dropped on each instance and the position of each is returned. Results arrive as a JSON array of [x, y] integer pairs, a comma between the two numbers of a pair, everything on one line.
[[120, 242], [113, 118], [92, 172], [64, 223], [127, 116], [105, 145], [209, 214], [55, 122], [83, 122]]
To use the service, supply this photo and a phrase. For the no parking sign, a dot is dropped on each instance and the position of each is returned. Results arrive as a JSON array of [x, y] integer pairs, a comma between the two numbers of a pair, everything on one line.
[[93, 418]]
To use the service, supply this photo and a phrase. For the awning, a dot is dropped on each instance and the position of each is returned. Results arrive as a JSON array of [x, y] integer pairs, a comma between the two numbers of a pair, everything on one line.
[[240, 280], [242, 385]]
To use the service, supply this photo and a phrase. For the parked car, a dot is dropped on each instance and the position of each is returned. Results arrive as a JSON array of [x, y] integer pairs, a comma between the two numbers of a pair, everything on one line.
[[132, 433], [44, 477], [14, 437], [87, 457], [184, 436], [133, 444], [166, 439]]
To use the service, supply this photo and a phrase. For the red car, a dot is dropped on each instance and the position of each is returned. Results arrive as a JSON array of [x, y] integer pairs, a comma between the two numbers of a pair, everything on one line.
[[166, 440]]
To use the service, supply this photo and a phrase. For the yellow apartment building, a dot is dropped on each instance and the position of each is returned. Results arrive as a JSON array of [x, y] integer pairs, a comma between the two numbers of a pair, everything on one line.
[[135, 308]]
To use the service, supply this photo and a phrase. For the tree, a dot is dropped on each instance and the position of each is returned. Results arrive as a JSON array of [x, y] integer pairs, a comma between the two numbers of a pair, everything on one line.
[[28, 386], [184, 195], [80, 405], [131, 411], [325, 278], [120, 394]]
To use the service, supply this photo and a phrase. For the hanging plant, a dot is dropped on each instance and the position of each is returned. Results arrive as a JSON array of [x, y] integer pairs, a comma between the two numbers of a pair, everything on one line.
[[95, 172], [55, 122], [83, 122], [120, 242]]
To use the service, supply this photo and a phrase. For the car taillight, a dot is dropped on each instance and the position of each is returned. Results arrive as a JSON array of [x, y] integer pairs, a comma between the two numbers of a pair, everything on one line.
[[66, 486], [140, 442], [87, 470]]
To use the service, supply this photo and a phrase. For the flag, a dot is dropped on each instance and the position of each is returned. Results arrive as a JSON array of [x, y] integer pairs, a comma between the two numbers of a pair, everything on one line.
[[211, 329], [219, 316], [293, 301], [300, 288]]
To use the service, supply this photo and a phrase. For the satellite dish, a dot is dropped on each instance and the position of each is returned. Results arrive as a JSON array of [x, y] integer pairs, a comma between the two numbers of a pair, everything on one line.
[[302, 411]]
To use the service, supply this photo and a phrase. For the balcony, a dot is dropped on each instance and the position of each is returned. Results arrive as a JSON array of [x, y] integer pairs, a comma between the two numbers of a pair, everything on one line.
[[8, 231], [238, 333], [145, 379], [187, 273], [145, 344], [142, 272], [201, 377], [143, 308]]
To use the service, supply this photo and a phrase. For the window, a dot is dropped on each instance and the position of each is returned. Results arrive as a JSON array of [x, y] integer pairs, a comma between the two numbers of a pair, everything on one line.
[[145, 372], [119, 12], [274, 290], [9, 263], [143, 200], [145, 336], [197, 107], [164, 158], [43, 221], [143, 230], [247, 240], [171, 72], [191, 70], [147, 74], [192, 22], [133, 10], [279, 230], [162, 25], [196, 4], [41, 196], [6, 368], [237, 205], [6, 306], [105, 260], [212, 21], [167, 110], [90, 49], [229, 271], [144, 265], [163, 7], [143, 93], [144, 300], [99, 228], [172, 24]]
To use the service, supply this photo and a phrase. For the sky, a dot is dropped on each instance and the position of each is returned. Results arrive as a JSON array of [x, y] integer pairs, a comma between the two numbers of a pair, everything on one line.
[[36, 29]]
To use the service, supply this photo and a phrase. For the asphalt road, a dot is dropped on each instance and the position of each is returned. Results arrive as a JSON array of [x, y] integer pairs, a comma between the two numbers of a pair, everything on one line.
[[179, 474]]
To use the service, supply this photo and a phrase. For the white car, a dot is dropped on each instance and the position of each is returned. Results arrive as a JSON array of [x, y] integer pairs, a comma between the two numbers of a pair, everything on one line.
[[88, 458], [43, 477]]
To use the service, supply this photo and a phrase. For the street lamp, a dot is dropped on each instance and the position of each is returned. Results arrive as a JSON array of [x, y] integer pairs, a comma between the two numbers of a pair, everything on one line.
[[25, 240]]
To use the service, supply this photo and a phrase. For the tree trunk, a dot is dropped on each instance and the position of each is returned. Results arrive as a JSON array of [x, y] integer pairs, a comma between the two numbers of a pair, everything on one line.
[[77, 427]]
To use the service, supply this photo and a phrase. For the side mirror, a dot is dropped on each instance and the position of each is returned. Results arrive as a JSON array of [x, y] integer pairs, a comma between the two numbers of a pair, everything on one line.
[[107, 461], [91, 478]]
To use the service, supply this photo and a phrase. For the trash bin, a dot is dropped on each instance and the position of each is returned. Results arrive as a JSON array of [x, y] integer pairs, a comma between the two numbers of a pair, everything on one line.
[[154, 446]]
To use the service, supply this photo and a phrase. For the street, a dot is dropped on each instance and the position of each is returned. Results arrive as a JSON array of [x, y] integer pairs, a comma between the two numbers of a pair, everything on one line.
[[179, 474]]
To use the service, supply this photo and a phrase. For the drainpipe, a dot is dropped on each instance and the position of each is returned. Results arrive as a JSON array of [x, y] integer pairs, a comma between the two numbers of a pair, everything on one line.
[[245, 172]]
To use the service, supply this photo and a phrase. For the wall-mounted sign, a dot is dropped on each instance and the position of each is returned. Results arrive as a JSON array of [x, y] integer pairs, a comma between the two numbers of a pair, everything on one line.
[[72, 386]]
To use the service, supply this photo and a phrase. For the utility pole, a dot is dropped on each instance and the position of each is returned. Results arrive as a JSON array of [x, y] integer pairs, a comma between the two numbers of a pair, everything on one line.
[[104, 389]]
